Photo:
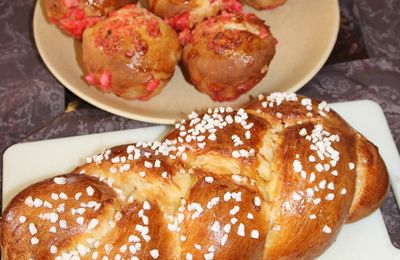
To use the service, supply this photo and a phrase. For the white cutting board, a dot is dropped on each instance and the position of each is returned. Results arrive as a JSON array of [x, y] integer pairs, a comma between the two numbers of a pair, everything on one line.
[[367, 239]]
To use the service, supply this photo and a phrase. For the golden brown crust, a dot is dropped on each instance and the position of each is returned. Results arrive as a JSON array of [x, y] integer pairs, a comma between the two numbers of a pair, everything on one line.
[[167, 8], [229, 54], [264, 4], [315, 202], [276, 180], [182, 14], [234, 226], [215, 152], [73, 16], [59, 8], [132, 53], [46, 214], [130, 236], [372, 180], [135, 171]]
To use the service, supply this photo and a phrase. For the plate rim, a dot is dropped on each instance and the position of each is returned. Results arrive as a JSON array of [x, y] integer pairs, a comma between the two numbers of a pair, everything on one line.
[[161, 120]]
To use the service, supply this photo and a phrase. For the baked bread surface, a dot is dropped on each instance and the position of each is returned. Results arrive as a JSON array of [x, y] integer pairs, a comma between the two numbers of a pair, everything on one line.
[[132, 53], [264, 4], [74, 16], [274, 180], [183, 14], [227, 55]]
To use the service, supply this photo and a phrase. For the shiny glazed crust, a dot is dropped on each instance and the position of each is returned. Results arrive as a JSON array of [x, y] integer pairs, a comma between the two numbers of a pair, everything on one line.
[[228, 55], [274, 180], [182, 14], [73, 16], [132, 53], [264, 4]]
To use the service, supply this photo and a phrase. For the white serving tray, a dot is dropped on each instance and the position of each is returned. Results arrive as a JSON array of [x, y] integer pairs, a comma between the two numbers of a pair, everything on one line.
[[367, 239]]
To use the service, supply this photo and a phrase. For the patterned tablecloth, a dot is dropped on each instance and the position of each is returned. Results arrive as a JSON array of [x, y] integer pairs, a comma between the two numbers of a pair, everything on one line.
[[365, 64]]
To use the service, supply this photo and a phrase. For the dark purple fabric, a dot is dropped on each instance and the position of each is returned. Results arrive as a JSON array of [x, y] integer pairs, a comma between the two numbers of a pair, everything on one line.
[[365, 64]]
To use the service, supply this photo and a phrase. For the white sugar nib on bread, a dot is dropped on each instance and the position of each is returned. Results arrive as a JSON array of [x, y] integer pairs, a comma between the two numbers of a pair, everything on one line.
[[276, 179]]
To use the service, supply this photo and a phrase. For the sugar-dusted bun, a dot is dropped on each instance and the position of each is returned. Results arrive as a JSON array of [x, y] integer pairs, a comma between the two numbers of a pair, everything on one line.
[[322, 174], [73, 16], [56, 215], [183, 15], [264, 4], [227, 55], [132, 53], [274, 180]]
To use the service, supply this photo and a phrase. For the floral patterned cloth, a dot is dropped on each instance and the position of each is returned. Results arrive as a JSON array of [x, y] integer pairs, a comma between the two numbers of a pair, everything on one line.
[[365, 64]]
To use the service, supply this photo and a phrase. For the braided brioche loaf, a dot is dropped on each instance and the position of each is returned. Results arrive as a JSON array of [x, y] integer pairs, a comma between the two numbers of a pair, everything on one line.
[[275, 180]]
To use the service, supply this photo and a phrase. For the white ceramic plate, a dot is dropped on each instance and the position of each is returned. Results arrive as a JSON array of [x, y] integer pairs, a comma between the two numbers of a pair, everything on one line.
[[306, 31], [27, 163]]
